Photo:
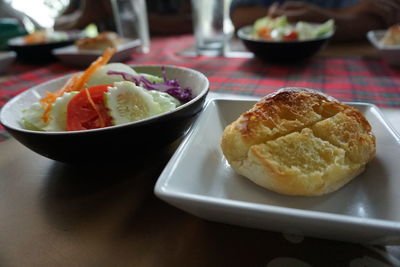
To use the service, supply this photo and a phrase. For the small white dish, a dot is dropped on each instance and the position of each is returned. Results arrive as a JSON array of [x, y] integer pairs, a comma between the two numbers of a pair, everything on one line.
[[71, 55], [199, 180], [391, 54], [6, 58]]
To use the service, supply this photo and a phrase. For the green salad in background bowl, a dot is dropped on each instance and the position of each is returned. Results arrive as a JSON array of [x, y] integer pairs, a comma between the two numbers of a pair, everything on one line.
[[279, 29], [276, 40]]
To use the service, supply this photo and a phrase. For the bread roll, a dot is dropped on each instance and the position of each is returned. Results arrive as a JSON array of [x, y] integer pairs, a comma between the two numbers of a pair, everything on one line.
[[392, 36], [300, 142], [100, 42]]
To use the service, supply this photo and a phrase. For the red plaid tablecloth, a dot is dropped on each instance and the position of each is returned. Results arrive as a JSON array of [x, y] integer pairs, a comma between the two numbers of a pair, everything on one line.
[[347, 79]]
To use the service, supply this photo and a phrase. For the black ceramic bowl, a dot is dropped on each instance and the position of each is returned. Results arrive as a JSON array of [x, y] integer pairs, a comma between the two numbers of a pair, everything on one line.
[[282, 51], [37, 53], [121, 142]]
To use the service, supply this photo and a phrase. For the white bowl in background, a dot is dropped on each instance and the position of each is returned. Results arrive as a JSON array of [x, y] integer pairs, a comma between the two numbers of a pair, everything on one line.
[[391, 54]]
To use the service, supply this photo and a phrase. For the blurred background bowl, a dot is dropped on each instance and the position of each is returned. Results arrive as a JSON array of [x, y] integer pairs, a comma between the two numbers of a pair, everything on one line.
[[121, 142], [38, 52], [391, 54], [282, 51]]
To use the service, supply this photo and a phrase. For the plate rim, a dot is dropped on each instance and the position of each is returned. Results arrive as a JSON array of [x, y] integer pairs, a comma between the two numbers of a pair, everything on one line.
[[373, 39], [64, 51]]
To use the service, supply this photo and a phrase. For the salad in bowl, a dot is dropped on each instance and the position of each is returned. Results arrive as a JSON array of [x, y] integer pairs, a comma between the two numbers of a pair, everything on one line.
[[110, 111], [105, 95], [276, 40], [279, 29]]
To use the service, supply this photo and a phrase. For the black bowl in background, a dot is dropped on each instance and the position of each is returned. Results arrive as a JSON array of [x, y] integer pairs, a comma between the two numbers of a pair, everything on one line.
[[36, 53], [282, 51], [115, 143]]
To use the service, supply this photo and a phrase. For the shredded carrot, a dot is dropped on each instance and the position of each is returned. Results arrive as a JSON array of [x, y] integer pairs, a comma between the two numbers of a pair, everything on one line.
[[35, 37], [50, 98], [75, 83], [101, 119], [101, 61]]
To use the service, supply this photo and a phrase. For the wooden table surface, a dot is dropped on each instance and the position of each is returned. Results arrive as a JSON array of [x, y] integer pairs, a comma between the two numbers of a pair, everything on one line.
[[56, 214]]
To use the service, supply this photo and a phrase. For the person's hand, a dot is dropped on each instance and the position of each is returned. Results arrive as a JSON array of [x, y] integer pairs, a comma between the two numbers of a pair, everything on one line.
[[388, 11], [296, 11]]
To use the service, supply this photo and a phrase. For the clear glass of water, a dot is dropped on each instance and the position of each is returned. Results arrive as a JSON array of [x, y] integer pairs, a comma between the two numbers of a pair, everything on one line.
[[212, 26], [131, 21]]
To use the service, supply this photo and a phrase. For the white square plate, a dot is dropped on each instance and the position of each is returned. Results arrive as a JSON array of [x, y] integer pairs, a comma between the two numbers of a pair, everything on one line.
[[71, 55], [199, 180]]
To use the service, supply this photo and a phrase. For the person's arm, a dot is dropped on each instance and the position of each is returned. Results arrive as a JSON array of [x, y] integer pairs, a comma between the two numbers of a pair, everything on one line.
[[72, 6], [246, 15], [169, 17], [386, 11], [89, 11], [245, 12]]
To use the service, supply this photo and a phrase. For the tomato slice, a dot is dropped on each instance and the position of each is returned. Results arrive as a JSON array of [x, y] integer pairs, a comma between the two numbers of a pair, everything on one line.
[[293, 35], [87, 110]]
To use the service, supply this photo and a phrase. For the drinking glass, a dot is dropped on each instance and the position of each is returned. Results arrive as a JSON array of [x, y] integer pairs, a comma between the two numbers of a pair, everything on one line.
[[131, 21], [212, 26]]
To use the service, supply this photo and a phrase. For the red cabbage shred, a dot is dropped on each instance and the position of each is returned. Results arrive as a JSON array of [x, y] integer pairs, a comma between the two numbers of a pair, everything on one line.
[[170, 87]]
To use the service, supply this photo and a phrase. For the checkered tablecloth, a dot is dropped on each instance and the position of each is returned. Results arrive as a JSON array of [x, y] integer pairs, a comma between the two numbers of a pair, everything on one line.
[[347, 79]]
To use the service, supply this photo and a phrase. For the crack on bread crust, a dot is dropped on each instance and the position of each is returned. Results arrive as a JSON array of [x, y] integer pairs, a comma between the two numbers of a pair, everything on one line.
[[286, 113]]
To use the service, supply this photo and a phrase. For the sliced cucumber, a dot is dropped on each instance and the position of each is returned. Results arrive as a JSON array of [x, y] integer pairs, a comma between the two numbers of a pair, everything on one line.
[[58, 113], [100, 76], [31, 117], [128, 102], [166, 101], [29, 126]]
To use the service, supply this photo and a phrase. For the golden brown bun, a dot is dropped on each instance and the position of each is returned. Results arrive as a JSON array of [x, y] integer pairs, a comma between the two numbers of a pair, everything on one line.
[[299, 142], [100, 42], [392, 36]]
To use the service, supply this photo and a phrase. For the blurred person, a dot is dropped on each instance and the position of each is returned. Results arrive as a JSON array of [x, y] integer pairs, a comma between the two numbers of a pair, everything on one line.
[[23, 20], [169, 16], [165, 16], [353, 19], [14, 23], [81, 13]]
